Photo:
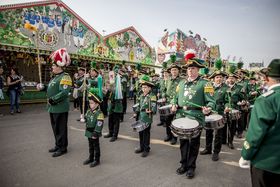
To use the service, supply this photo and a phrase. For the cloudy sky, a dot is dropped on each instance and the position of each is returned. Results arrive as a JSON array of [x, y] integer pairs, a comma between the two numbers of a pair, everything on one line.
[[243, 28]]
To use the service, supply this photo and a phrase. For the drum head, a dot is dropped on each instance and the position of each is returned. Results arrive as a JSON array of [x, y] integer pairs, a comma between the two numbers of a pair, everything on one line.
[[136, 105], [165, 107], [213, 117], [185, 123], [234, 111], [160, 101]]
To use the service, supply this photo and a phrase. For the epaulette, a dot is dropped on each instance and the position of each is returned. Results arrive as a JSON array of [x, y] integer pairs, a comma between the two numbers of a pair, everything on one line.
[[208, 88], [153, 98], [268, 93], [66, 80], [100, 116]]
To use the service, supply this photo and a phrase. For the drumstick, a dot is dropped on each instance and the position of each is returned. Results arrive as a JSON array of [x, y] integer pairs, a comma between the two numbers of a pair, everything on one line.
[[196, 105]]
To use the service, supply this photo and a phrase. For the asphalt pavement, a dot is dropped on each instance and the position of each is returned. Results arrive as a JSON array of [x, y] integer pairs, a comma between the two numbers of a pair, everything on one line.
[[24, 159]]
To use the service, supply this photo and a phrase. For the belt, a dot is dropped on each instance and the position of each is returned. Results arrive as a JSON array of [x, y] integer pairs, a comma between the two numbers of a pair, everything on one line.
[[189, 108]]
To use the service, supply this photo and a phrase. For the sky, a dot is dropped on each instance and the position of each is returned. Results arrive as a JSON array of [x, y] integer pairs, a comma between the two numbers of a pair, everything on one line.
[[243, 28]]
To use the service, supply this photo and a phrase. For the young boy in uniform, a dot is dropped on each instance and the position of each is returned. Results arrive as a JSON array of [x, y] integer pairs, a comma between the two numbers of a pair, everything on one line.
[[94, 124]]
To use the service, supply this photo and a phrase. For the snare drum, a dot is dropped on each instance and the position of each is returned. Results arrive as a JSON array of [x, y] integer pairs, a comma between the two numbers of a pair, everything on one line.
[[185, 128], [160, 102], [165, 110], [234, 114], [139, 126], [214, 121], [135, 107]]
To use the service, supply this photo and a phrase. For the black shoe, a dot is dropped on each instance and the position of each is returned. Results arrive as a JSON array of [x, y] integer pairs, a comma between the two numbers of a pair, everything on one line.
[[94, 163], [160, 124], [138, 150], [190, 173], [215, 156], [181, 170], [108, 136], [173, 141], [121, 120], [113, 139], [206, 152], [52, 150], [18, 111], [78, 119], [59, 153], [88, 161], [145, 154], [167, 138], [230, 145]]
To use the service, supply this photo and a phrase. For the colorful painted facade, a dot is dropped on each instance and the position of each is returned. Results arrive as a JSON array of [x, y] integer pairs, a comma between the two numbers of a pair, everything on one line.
[[53, 24], [178, 42], [128, 45]]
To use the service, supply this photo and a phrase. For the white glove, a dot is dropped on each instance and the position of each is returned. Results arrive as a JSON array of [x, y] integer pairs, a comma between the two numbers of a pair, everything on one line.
[[244, 163], [40, 86]]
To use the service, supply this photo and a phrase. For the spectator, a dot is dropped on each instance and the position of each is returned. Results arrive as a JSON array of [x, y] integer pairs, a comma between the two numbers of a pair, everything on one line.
[[14, 89]]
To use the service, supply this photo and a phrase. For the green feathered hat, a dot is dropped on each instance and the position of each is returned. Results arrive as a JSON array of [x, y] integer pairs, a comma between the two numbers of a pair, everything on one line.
[[218, 66], [240, 70], [93, 94], [93, 66], [164, 67], [146, 80], [231, 71], [101, 66], [174, 63]]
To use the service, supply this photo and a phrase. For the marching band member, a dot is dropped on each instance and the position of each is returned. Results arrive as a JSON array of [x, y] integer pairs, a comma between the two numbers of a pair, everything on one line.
[[220, 89], [234, 96], [115, 107], [147, 107], [172, 83], [58, 100], [81, 84], [198, 91], [261, 146], [162, 89], [94, 124]]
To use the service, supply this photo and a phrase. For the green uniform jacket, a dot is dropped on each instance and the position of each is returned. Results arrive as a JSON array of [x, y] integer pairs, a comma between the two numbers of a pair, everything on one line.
[[220, 96], [115, 105], [124, 82], [92, 82], [234, 95], [252, 88], [94, 123], [162, 87], [171, 88], [58, 90], [147, 102], [79, 82], [262, 143], [194, 92]]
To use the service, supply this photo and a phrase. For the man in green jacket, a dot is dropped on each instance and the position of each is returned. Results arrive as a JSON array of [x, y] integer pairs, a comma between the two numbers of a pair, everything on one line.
[[58, 100], [262, 143], [193, 99], [220, 91]]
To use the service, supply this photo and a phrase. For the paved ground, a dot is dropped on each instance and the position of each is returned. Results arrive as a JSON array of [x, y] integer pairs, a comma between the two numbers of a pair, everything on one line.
[[25, 139]]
